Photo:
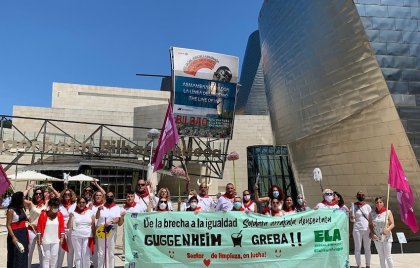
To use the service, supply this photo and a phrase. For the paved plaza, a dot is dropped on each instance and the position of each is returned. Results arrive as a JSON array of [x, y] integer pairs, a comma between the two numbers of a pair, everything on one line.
[[407, 260]]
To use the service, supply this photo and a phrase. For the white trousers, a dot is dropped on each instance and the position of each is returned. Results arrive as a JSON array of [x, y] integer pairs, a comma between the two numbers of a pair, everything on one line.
[[384, 252], [51, 255], [31, 247], [82, 252], [70, 254], [362, 236], [106, 248]]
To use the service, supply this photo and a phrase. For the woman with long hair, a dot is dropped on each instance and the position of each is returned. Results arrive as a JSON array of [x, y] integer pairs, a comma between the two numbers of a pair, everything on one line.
[[164, 193], [17, 238], [36, 206], [51, 233], [289, 206], [340, 202], [162, 205], [82, 224], [275, 192], [381, 222], [301, 204], [67, 206], [247, 202]]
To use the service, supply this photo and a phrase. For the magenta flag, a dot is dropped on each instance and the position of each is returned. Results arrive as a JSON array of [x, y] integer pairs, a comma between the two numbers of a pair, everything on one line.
[[398, 180], [167, 140], [4, 181]]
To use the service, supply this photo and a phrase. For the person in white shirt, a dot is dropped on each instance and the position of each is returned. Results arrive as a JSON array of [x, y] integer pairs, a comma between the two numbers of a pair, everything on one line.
[[142, 194], [247, 202], [131, 206], [205, 202], [288, 206], [328, 202], [67, 206], [225, 202], [82, 222], [164, 193], [107, 218], [359, 215]]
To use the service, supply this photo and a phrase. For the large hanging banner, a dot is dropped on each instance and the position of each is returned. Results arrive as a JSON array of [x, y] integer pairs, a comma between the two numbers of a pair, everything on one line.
[[317, 238], [205, 85]]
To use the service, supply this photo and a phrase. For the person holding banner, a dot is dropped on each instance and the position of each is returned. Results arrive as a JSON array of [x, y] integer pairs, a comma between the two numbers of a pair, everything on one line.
[[247, 202], [225, 202], [328, 202], [82, 223], [193, 205], [67, 206], [205, 201], [107, 218], [274, 192], [381, 222], [164, 193], [142, 193], [36, 206], [51, 233], [131, 206], [274, 209], [340, 202], [17, 233], [359, 215], [301, 204], [289, 206], [237, 204]]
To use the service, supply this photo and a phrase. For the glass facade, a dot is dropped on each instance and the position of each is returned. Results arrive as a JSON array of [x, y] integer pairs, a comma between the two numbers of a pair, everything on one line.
[[272, 164]]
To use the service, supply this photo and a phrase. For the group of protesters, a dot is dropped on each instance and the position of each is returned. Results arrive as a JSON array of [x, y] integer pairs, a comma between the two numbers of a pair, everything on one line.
[[85, 228]]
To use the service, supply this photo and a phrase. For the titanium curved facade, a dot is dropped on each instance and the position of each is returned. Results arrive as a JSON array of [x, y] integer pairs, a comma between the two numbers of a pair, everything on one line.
[[328, 99], [251, 98]]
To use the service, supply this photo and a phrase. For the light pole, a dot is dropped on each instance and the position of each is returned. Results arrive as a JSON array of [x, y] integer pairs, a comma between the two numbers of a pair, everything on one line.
[[152, 134]]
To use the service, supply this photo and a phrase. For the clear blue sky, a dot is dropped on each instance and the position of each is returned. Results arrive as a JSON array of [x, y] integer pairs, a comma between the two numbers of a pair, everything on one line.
[[104, 42]]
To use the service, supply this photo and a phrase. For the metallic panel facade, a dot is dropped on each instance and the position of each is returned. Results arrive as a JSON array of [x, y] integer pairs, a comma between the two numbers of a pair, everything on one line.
[[328, 99], [393, 28]]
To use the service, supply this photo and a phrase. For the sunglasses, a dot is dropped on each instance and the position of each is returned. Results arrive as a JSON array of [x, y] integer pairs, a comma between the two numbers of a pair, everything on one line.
[[329, 194], [141, 184], [38, 193], [163, 202], [275, 202]]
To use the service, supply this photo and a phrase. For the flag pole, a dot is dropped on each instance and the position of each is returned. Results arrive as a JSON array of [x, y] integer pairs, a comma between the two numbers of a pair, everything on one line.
[[387, 204]]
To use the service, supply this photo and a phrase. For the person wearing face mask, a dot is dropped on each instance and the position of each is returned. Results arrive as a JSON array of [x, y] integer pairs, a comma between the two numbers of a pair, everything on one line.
[[193, 205], [237, 204], [36, 206], [274, 192], [247, 202], [301, 204], [205, 201], [274, 209], [51, 233], [328, 202], [164, 193], [225, 202], [107, 216], [359, 215], [162, 205]]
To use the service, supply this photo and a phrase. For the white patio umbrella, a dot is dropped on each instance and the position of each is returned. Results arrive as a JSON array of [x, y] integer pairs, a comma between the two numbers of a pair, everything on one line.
[[81, 178], [31, 175]]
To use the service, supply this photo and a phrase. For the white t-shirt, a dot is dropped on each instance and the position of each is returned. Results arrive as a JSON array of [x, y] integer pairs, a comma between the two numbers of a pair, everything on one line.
[[206, 203], [108, 214], [250, 208], [66, 213], [51, 232], [138, 208], [361, 216], [82, 224], [324, 206], [144, 200], [224, 204]]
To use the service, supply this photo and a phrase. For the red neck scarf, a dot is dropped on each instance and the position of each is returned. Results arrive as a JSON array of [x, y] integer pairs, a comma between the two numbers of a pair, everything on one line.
[[40, 203], [203, 196], [229, 196], [126, 205], [248, 204], [360, 204], [80, 211], [380, 211], [288, 209], [144, 194], [66, 204], [110, 205], [330, 204]]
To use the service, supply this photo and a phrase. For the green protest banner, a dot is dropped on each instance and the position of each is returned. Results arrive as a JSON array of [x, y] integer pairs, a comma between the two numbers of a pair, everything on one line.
[[317, 238]]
